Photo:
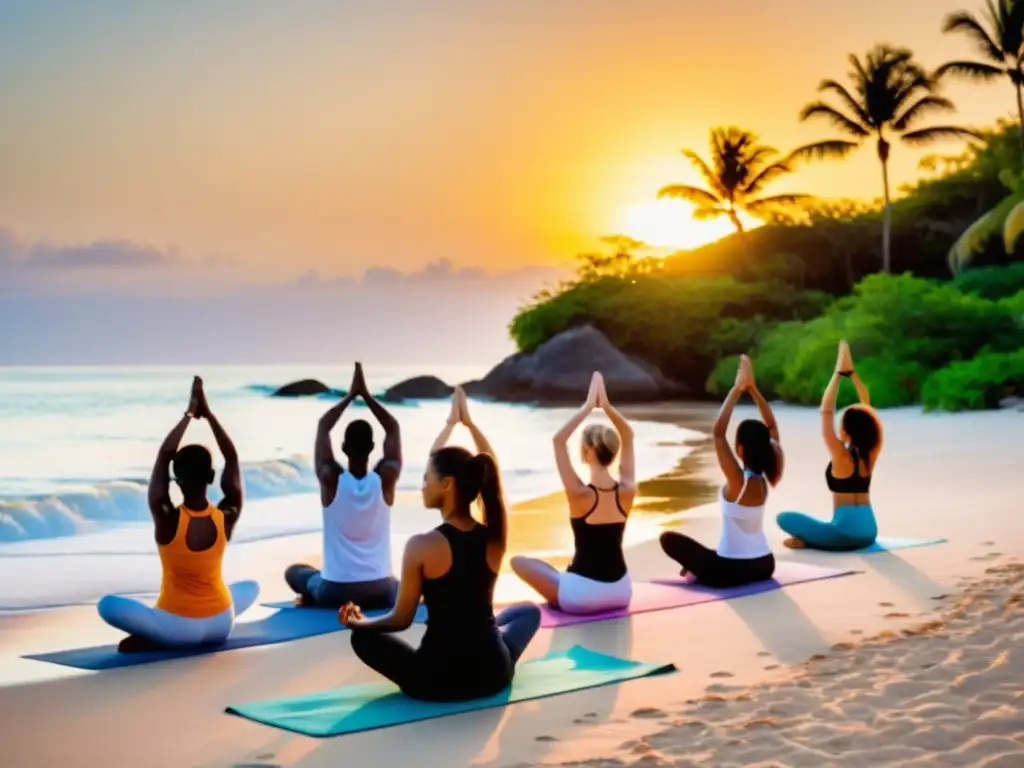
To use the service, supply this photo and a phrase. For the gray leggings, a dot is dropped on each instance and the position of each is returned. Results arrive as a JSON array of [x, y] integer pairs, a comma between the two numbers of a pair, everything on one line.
[[307, 582]]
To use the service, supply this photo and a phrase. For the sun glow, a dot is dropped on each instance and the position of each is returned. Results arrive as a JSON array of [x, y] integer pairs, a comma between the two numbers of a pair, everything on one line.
[[667, 223]]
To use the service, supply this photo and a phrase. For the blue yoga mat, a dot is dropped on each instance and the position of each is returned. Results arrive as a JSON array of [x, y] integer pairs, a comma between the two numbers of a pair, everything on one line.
[[380, 705], [888, 543], [280, 627]]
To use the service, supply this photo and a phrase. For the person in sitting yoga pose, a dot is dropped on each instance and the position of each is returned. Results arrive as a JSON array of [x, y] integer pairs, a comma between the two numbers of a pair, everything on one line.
[[596, 579], [743, 555], [854, 452], [357, 511], [195, 607], [466, 653]]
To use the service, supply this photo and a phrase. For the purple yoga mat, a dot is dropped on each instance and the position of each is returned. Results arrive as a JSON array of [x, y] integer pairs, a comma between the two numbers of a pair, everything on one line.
[[662, 594]]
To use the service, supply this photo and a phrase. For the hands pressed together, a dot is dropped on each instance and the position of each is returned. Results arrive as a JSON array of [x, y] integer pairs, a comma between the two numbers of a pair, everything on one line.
[[459, 413], [745, 375], [197, 405], [597, 396], [844, 360]]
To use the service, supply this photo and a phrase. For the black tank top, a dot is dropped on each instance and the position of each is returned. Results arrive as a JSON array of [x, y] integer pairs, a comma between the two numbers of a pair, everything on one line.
[[460, 604], [855, 483], [599, 545]]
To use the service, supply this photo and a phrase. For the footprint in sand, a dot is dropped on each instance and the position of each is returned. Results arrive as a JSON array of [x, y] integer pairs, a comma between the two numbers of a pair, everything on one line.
[[721, 674], [988, 543], [843, 647], [772, 666], [856, 631], [545, 738], [648, 713], [940, 597], [763, 653], [897, 615], [886, 605]]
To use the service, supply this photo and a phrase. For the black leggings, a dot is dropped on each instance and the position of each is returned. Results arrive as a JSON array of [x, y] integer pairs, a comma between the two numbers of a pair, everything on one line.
[[710, 568], [418, 678], [307, 582]]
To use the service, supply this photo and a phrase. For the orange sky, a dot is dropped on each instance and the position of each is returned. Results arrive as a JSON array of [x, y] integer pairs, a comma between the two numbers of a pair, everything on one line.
[[335, 136]]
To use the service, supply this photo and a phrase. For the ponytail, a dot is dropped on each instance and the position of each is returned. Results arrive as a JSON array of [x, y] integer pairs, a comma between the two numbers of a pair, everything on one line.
[[865, 433], [487, 482]]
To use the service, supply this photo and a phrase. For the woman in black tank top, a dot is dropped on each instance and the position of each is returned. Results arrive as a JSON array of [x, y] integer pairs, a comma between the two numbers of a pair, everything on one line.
[[596, 579], [466, 652]]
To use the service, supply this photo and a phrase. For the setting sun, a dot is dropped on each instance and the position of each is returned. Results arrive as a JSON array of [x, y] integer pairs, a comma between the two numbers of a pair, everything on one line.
[[670, 224]]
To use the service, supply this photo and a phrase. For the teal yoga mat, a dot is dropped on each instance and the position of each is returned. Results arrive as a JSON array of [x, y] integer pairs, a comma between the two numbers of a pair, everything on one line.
[[888, 543], [380, 705]]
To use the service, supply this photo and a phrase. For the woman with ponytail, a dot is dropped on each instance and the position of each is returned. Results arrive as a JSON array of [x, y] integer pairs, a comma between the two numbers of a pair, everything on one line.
[[466, 653], [596, 579], [743, 555], [854, 452]]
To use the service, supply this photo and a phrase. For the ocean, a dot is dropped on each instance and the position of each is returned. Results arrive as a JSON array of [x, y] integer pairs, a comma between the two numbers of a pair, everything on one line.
[[78, 444]]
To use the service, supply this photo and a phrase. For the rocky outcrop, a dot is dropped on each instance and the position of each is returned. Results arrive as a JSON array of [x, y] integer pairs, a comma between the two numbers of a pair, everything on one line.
[[559, 371], [418, 388], [303, 388]]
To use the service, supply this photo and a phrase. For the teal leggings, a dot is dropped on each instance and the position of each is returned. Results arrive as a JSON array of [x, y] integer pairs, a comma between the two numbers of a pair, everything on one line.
[[851, 527]]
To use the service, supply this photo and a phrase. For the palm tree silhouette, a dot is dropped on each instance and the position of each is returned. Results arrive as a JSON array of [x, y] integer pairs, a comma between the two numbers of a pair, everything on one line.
[[891, 95], [1001, 47], [740, 169]]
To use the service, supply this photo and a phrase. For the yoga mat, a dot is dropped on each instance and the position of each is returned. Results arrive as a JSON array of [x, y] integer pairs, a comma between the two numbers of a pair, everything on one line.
[[887, 543], [663, 594], [380, 705], [280, 627]]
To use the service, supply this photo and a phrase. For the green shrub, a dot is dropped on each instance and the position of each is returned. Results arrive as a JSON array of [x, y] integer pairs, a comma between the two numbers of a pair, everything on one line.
[[992, 282], [681, 324], [975, 384], [900, 330]]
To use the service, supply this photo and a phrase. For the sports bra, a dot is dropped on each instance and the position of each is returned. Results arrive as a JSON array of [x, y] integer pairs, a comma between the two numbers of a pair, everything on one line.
[[855, 483], [599, 545]]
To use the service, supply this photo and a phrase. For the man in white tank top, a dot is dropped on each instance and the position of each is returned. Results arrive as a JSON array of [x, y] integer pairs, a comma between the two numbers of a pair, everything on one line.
[[357, 511]]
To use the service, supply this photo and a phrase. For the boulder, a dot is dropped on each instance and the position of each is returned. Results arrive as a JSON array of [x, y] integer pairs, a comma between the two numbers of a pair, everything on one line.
[[559, 372], [418, 388], [302, 388]]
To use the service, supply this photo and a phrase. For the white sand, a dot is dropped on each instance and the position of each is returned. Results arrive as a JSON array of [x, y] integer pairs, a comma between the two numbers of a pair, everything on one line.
[[953, 476]]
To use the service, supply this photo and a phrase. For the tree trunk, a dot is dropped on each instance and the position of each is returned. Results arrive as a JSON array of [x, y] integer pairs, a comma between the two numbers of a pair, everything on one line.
[[735, 219], [1020, 119], [883, 155]]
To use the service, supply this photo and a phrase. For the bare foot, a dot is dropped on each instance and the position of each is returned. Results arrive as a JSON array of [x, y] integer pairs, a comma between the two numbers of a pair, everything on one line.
[[794, 543], [687, 577], [136, 644]]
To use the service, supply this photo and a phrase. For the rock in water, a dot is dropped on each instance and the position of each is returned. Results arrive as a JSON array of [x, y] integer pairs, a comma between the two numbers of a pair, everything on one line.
[[559, 371], [418, 388], [302, 388]]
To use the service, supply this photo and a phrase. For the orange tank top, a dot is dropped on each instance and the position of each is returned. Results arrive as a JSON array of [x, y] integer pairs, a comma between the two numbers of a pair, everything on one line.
[[192, 585]]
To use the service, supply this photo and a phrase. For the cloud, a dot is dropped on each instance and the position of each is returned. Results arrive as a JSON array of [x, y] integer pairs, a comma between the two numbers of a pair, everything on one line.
[[16, 254]]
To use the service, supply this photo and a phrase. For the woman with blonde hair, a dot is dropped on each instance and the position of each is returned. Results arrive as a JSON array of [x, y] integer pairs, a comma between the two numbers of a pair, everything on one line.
[[597, 579]]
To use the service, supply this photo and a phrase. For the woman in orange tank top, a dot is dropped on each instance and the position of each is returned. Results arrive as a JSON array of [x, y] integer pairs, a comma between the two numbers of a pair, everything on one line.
[[195, 607]]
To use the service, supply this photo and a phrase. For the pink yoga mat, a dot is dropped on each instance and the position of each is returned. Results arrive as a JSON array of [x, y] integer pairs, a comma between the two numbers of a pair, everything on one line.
[[662, 594]]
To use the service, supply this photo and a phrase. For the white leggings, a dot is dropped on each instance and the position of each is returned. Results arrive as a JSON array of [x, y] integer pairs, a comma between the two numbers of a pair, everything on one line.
[[580, 595], [172, 631]]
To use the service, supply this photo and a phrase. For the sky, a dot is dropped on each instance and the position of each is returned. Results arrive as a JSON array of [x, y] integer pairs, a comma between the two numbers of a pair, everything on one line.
[[174, 151]]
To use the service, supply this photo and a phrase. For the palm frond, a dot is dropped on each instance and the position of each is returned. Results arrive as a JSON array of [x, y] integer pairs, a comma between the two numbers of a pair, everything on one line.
[[712, 178], [921, 108], [766, 176], [970, 70], [768, 204], [837, 118], [709, 212], [937, 133], [695, 195], [825, 150], [966, 23], [846, 97]]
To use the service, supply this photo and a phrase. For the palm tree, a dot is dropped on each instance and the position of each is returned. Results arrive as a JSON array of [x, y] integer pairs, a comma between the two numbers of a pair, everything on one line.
[[740, 169], [1001, 48], [891, 94]]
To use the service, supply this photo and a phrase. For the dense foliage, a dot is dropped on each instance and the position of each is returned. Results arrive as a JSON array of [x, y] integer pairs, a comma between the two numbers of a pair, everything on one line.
[[787, 293]]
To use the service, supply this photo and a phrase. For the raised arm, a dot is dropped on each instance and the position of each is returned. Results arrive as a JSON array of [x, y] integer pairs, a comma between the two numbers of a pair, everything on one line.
[[454, 417], [159, 496], [571, 481], [765, 411], [627, 451], [480, 441], [323, 452], [231, 475], [828, 402], [390, 466]]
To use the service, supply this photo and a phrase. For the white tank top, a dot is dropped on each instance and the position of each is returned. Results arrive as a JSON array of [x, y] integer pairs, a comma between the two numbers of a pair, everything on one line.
[[357, 531], [742, 527]]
